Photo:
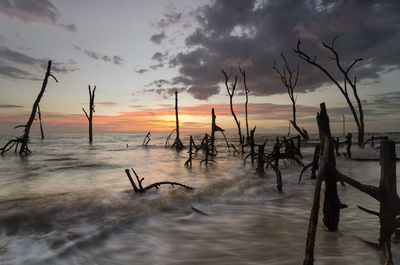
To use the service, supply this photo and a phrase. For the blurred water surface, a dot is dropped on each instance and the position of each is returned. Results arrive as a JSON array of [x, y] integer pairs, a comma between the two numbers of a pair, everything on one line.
[[70, 203]]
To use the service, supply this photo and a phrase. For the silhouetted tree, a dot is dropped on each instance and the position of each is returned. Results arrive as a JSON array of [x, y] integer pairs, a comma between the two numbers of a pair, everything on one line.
[[289, 78], [40, 122], [91, 110], [231, 92], [343, 87], [246, 90], [24, 139], [178, 145]]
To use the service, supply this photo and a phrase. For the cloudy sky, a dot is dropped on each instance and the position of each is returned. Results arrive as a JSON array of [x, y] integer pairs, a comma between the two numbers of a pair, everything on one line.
[[138, 53]]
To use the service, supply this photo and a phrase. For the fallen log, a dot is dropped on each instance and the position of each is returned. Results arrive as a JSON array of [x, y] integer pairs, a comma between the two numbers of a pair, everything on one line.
[[141, 189]]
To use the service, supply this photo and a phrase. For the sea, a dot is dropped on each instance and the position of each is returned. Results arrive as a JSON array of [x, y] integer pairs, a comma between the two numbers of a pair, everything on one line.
[[70, 202]]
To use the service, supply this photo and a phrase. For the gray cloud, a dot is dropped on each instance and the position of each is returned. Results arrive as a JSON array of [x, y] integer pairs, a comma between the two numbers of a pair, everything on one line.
[[39, 11], [117, 60], [8, 56], [160, 57], [7, 106], [253, 33], [141, 71], [169, 18], [158, 38]]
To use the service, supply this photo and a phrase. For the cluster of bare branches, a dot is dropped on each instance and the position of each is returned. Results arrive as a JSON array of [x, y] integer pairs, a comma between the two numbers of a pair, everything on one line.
[[23, 141]]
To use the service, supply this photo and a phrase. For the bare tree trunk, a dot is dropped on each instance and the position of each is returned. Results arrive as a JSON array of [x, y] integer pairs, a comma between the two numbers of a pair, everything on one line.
[[290, 83], [178, 145], [358, 118], [231, 92], [40, 122], [91, 110], [24, 139], [246, 103]]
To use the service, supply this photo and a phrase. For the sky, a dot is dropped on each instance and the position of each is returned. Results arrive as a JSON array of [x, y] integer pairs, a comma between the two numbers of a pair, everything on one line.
[[138, 53]]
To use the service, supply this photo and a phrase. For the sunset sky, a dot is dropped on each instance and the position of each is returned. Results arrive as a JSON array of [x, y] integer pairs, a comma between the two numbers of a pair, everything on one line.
[[138, 53]]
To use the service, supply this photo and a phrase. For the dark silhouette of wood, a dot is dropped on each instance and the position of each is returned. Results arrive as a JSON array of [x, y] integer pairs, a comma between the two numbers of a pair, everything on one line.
[[235, 151], [289, 78], [91, 110], [352, 82], [215, 128], [146, 139], [178, 145], [252, 145], [261, 160], [40, 122], [188, 162], [231, 92], [140, 189], [313, 164], [385, 194], [24, 139], [207, 151], [313, 221], [169, 137], [332, 204], [246, 90]]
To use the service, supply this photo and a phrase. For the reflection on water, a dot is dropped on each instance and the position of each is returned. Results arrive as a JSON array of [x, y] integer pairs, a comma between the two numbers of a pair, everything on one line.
[[69, 203]]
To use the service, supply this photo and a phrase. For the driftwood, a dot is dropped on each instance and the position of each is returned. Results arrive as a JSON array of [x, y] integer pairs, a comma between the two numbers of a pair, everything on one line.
[[40, 122], [261, 159], [207, 151], [252, 145], [289, 78], [188, 162], [215, 128], [348, 81], [231, 92], [146, 139], [91, 110], [169, 137], [178, 145], [140, 189], [386, 195], [246, 90], [24, 139], [313, 164]]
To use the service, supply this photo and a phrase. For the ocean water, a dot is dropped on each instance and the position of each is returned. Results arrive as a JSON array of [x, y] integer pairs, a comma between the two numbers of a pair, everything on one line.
[[70, 202]]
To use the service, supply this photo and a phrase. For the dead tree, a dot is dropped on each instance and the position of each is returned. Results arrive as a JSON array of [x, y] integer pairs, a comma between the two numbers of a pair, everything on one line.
[[313, 164], [261, 159], [24, 139], [188, 162], [215, 128], [343, 87], [386, 195], [246, 90], [40, 122], [169, 137], [140, 189], [178, 145], [207, 151], [252, 145], [231, 92], [91, 110], [327, 173], [146, 139], [289, 78]]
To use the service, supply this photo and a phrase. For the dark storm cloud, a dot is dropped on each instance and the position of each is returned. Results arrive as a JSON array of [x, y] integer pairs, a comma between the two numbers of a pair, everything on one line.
[[8, 56], [158, 38], [254, 33], [38, 11], [97, 56]]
